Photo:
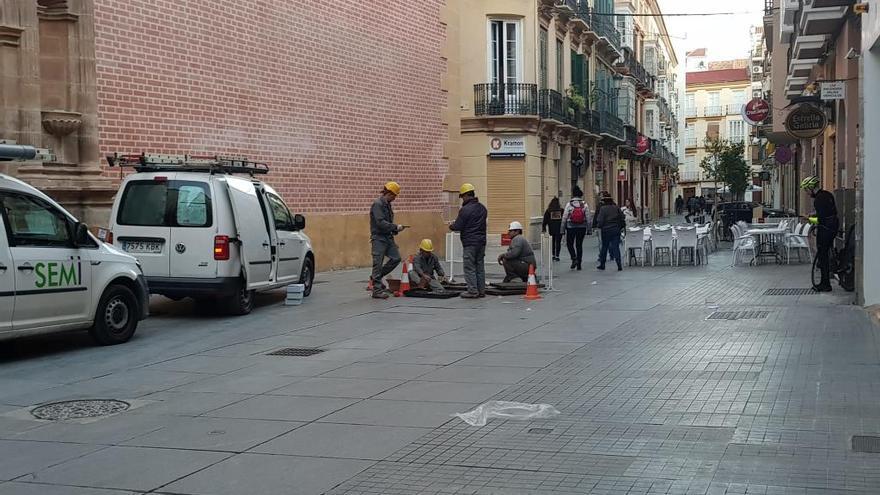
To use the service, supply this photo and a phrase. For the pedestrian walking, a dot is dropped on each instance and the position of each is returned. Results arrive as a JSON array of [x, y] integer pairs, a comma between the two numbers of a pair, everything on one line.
[[691, 208], [576, 220], [610, 221], [471, 223], [826, 212], [679, 205], [553, 225], [382, 232]]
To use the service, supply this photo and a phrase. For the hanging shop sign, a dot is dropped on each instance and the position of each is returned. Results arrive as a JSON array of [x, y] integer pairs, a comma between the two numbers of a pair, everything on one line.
[[832, 90], [621, 175], [782, 154], [507, 146], [642, 144], [756, 111], [806, 121]]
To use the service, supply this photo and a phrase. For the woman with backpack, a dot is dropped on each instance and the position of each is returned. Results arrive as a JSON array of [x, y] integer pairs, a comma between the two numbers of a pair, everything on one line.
[[553, 222], [576, 220]]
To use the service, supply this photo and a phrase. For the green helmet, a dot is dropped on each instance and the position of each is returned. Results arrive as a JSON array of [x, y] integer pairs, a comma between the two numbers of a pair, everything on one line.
[[811, 182]]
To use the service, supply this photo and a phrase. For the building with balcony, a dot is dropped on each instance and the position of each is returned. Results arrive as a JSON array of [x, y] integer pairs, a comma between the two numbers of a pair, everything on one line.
[[713, 105]]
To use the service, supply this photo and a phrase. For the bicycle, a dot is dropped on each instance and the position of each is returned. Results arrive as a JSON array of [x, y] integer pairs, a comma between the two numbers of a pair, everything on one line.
[[841, 262]]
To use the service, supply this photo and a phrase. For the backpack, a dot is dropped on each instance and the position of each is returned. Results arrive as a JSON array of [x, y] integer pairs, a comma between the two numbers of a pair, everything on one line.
[[578, 214]]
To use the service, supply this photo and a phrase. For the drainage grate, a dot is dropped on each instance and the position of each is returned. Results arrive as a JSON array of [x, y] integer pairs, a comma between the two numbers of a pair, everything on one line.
[[541, 431], [79, 409], [867, 444], [739, 315], [295, 351], [789, 292]]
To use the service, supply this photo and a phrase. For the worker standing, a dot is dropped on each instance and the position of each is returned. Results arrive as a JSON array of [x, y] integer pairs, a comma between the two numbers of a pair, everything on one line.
[[382, 232], [471, 223]]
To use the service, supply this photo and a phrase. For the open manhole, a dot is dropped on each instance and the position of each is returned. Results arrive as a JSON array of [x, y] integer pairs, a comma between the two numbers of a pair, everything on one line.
[[295, 352], [789, 292], [79, 409], [739, 315], [869, 444]]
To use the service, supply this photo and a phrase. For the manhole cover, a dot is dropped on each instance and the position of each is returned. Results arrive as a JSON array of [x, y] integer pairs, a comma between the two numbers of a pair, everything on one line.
[[867, 444], [789, 292], [295, 351], [541, 431], [79, 409], [738, 315]]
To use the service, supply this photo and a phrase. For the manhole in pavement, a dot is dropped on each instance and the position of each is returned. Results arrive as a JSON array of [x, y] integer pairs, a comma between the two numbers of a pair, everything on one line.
[[867, 444], [296, 352], [540, 431], [789, 292], [738, 315], [79, 409]]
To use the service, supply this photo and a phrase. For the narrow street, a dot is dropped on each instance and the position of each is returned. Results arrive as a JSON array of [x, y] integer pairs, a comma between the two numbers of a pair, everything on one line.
[[655, 398]]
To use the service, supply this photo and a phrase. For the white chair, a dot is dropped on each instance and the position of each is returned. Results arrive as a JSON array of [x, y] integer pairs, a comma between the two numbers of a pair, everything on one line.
[[799, 240], [661, 240], [634, 240], [742, 243], [687, 241]]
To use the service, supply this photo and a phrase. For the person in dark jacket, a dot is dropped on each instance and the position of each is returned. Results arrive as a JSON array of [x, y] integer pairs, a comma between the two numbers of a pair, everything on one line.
[[382, 232], [829, 223], [679, 205], [471, 223], [519, 256], [610, 221], [553, 224]]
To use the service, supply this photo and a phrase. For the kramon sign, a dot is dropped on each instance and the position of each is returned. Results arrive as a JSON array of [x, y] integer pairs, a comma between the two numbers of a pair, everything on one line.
[[806, 121]]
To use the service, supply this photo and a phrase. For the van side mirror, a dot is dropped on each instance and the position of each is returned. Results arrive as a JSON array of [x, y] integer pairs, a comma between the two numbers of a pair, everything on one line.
[[81, 234], [299, 222]]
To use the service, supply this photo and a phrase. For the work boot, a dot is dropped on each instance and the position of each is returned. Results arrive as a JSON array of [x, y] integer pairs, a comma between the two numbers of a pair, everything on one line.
[[470, 295], [826, 287], [482, 294], [381, 294], [600, 267]]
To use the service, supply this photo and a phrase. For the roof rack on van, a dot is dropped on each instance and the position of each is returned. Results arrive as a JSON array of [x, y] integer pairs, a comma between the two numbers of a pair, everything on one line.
[[222, 164]]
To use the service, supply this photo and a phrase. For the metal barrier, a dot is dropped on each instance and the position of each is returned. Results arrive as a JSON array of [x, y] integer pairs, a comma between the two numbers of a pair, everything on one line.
[[454, 252], [546, 260]]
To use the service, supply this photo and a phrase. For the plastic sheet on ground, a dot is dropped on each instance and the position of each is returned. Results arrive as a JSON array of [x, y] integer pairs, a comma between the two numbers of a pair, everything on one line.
[[507, 410]]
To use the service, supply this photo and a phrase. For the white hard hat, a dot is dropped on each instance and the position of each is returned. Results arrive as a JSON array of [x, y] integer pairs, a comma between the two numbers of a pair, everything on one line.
[[515, 226]]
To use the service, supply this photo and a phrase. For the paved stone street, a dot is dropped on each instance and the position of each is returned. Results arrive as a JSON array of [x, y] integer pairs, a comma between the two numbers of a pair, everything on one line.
[[655, 397]]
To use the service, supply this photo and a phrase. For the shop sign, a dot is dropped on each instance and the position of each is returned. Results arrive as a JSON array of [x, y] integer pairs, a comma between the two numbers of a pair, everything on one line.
[[756, 111], [783, 154], [622, 164], [832, 90], [621, 175], [806, 121], [642, 144], [507, 146]]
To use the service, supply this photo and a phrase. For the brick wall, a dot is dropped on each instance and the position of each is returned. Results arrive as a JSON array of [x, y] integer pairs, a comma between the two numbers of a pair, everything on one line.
[[337, 97]]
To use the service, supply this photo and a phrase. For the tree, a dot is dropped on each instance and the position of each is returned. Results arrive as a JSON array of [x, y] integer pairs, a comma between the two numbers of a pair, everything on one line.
[[725, 163]]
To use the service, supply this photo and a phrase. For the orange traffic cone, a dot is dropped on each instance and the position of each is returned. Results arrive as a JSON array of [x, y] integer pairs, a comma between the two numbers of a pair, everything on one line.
[[404, 279], [532, 289]]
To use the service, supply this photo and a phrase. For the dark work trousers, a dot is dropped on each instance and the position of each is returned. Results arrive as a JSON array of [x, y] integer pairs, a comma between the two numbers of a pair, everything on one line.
[[574, 240], [610, 245], [383, 247], [514, 269], [474, 261], [824, 240], [557, 244]]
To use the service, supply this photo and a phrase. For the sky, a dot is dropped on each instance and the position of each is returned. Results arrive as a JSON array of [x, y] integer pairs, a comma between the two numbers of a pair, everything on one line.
[[726, 37]]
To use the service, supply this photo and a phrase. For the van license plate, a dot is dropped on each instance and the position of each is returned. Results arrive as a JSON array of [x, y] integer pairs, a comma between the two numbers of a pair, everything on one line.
[[142, 247]]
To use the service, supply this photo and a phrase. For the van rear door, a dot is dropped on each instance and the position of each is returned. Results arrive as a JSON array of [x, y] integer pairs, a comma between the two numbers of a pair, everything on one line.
[[252, 228], [142, 226], [192, 234]]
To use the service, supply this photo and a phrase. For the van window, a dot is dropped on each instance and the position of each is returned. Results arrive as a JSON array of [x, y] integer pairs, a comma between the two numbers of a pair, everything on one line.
[[149, 203], [33, 222], [280, 213]]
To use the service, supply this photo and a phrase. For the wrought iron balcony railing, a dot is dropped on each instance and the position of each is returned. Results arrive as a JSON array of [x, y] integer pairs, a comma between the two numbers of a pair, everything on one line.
[[505, 99], [611, 125], [550, 105], [714, 111], [632, 67], [605, 25], [631, 136]]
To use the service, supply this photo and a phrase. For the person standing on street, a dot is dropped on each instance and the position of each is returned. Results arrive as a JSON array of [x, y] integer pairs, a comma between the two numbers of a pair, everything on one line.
[[629, 213], [576, 220], [691, 208], [679, 205], [610, 221], [519, 256], [382, 232], [471, 223], [829, 224], [553, 223]]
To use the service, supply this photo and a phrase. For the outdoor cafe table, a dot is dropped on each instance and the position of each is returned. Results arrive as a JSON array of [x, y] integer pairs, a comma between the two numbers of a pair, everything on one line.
[[766, 237]]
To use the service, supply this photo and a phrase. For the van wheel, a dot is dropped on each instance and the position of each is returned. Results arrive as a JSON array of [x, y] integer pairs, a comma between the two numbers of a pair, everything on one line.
[[307, 277], [116, 316], [242, 302]]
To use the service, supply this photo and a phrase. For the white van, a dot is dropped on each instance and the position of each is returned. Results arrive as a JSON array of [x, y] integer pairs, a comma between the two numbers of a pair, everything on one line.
[[54, 275], [206, 228]]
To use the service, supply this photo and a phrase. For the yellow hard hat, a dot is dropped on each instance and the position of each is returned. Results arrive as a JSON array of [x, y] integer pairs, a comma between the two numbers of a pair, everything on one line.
[[426, 245], [393, 187], [466, 188]]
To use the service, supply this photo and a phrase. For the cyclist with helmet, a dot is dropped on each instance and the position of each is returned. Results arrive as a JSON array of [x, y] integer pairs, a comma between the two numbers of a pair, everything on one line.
[[826, 213]]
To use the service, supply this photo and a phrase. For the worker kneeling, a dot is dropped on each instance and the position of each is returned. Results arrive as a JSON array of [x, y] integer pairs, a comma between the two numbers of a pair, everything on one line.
[[519, 255], [425, 266]]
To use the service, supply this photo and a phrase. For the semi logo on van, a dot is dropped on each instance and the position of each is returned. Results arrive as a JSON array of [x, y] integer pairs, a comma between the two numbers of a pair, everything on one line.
[[57, 274]]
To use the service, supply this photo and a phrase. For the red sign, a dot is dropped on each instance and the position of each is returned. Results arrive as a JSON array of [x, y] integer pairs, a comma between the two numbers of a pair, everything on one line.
[[621, 175], [642, 145], [756, 111]]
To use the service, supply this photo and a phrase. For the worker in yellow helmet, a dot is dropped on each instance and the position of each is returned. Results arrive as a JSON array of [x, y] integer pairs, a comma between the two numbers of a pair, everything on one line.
[[471, 223], [382, 232], [427, 272]]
